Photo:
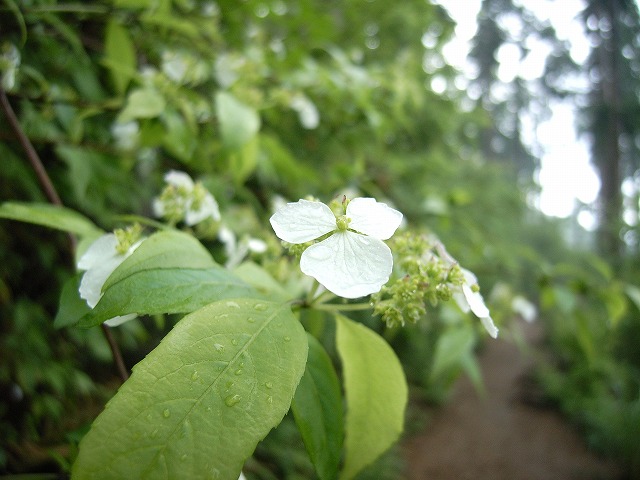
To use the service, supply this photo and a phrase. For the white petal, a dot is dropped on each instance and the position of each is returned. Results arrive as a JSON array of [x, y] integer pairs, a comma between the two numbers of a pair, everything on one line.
[[119, 320], [256, 245], [489, 326], [373, 218], [525, 308], [158, 207], [178, 179], [208, 208], [303, 221], [475, 301], [348, 264], [94, 278], [459, 298], [99, 251]]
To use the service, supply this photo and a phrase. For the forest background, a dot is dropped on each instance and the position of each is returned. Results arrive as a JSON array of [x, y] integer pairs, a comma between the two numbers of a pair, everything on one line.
[[267, 99]]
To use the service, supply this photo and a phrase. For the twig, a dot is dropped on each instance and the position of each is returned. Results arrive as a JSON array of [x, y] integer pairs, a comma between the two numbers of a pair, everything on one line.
[[54, 198], [32, 155], [115, 350]]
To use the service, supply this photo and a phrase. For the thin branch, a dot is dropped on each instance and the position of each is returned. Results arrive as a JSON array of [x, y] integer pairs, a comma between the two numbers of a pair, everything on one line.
[[32, 155], [54, 198], [115, 350]]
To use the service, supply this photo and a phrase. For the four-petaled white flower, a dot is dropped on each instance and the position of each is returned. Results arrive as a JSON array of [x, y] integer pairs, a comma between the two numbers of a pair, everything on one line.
[[186, 199], [99, 261], [469, 298], [353, 261]]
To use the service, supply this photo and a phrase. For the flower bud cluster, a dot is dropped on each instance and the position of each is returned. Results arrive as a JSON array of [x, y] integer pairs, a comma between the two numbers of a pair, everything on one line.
[[422, 277]]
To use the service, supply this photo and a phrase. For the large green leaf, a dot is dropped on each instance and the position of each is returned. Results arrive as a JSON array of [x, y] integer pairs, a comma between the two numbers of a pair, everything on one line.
[[170, 272], [376, 392], [239, 123], [317, 409], [166, 249], [199, 403], [452, 346], [120, 55], [165, 290], [51, 216], [143, 103]]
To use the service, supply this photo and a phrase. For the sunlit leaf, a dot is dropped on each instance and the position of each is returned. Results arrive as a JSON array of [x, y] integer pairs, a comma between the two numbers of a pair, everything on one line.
[[239, 123], [142, 103], [47, 215], [120, 55], [376, 392], [199, 403], [452, 346], [317, 409]]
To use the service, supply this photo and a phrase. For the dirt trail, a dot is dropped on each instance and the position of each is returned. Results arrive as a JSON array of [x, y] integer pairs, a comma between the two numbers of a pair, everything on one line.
[[499, 436]]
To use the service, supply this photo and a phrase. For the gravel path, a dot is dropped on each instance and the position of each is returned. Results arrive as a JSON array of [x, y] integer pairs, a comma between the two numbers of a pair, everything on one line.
[[499, 436]]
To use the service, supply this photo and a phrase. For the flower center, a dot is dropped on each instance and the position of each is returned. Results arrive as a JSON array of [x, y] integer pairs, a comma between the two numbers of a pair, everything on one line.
[[343, 222]]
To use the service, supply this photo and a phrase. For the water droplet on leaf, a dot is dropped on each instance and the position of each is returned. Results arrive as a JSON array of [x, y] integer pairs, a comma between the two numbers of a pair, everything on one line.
[[166, 413], [268, 385], [233, 305], [239, 371], [251, 320], [234, 342], [287, 338], [194, 376], [261, 307], [219, 348], [232, 400]]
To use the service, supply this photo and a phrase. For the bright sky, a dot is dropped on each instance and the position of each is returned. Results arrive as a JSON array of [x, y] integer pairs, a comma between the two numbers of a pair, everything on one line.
[[566, 175]]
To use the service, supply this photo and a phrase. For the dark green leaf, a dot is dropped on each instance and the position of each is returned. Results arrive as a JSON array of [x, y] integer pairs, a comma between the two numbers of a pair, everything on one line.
[[198, 404], [317, 409]]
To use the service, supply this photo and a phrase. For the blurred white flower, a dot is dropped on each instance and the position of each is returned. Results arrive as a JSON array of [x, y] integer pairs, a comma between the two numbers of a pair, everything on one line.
[[468, 295], [126, 134], [470, 299], [352, 261], [99, 261], [184, 200], [237, 251], [524, 308], [307, 112], [9, 63]]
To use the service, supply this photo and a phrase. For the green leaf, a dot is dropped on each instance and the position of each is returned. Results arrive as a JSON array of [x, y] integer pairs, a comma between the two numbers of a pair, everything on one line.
[[239, 123], [165, 290], [52, 216], [142, 103], [199, 403], [170, 272], [452, 346], [71, 308], [261, 280], [120, 55], [165, 249], [317, 409], [376, 391], [633, 293]]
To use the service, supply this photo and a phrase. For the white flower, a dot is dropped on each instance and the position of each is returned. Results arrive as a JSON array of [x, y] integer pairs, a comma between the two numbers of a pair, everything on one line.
[[353, 261], [184, 198], [307, 111], [236, 251], [99, 261], [469, 298], [525, 308]]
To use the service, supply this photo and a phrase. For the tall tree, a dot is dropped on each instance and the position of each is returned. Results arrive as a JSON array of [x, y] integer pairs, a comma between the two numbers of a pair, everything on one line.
[[612, 113]]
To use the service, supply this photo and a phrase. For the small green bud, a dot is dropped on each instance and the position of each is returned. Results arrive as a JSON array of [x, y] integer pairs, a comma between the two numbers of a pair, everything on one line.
[[127, 237], [343, 222], [444, 292]]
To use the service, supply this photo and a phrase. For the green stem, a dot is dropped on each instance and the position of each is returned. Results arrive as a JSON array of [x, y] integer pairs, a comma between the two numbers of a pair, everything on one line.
[[348, 307]]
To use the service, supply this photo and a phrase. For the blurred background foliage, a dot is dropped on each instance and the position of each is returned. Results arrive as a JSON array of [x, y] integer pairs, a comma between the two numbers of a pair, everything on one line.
[[268, 99]]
